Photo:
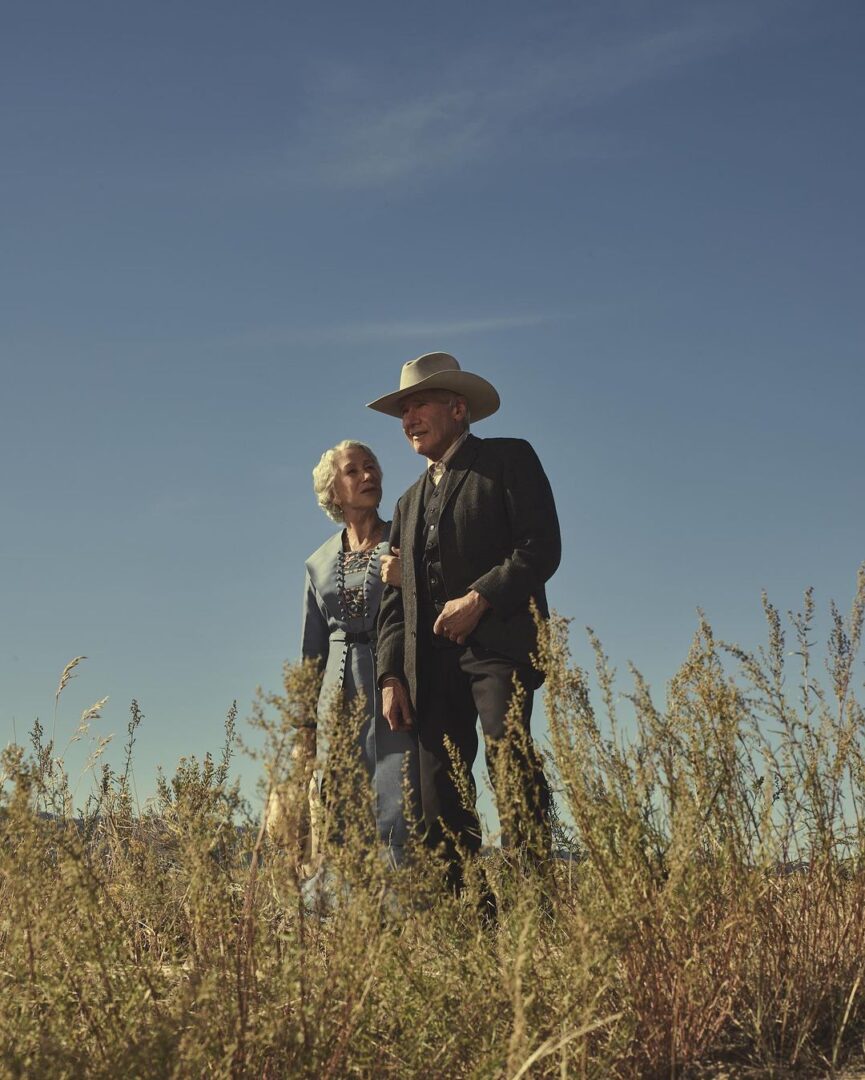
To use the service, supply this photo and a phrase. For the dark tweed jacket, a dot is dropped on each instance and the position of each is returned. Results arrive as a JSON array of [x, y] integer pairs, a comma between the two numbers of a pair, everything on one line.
[[498, 534]]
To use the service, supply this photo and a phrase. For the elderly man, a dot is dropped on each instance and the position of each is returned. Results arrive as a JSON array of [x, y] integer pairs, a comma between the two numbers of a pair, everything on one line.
[[478, 537]]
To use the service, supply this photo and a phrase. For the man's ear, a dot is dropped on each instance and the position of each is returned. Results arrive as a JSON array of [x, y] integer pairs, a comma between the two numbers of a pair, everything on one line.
[[459, 408]]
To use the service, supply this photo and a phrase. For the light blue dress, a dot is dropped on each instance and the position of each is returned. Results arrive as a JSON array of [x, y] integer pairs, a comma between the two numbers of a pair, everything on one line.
[[341, 600]]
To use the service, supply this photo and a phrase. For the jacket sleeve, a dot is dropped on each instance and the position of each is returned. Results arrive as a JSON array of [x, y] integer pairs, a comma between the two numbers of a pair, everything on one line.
[[314, 632], [534, 529], [390, 628]]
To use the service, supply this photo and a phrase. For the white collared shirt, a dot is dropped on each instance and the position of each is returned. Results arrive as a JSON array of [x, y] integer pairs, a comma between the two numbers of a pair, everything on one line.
[[437, 469]]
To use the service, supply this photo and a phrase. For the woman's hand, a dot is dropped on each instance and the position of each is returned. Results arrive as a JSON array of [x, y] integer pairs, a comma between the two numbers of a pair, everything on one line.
[[391, 571]]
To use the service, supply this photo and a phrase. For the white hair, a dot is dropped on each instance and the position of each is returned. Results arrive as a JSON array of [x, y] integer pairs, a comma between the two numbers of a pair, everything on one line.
[[324, 474]]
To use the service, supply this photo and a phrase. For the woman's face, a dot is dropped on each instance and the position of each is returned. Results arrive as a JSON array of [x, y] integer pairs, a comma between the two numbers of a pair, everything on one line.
[[357, 483]]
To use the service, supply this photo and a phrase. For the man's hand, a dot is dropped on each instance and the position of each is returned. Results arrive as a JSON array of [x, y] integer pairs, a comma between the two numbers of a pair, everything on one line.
[[391, 571], [395, 705], [459, 617]]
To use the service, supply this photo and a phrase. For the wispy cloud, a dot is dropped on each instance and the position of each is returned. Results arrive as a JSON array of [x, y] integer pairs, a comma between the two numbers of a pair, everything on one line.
[[390, 330], [494, 100], [374, 145]]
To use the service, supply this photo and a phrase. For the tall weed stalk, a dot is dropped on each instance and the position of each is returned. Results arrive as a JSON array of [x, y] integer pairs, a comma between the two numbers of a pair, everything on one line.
[[709, 916]]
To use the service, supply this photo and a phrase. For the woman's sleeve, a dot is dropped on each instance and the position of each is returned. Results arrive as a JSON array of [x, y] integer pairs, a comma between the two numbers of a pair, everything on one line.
[[390, 648], [314, 633]]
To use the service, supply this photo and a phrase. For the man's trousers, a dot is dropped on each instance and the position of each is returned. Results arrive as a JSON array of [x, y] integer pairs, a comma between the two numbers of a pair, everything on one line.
[[458, 684]]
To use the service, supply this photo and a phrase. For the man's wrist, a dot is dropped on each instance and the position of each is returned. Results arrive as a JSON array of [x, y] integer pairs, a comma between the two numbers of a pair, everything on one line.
[[389, 680], [480, 601]]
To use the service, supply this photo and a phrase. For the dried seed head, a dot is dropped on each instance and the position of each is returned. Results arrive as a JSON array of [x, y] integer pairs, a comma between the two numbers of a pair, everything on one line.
[[67, 674], [94, 712]]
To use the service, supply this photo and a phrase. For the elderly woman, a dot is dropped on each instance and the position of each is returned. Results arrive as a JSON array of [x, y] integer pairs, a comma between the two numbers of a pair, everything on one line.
[[343, 589]]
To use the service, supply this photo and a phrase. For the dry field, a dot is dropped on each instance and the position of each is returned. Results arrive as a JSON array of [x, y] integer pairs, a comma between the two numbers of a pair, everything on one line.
[[709, 922]]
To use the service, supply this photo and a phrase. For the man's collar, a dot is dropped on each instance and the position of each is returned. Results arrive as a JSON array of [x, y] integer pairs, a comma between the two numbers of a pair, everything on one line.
[[451, 450]]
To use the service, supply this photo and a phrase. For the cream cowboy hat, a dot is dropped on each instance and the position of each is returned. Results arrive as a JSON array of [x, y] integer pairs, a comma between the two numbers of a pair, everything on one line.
[[440, 371]]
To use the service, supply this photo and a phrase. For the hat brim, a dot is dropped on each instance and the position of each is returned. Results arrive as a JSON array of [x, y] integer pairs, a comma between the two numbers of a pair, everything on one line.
[[482, 397]]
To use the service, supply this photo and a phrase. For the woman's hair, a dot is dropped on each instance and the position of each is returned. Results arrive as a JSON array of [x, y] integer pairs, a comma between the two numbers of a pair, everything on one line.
[[325, 471]]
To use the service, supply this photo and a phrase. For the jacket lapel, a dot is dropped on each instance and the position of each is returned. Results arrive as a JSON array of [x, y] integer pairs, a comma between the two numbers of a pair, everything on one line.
[[458, 468], [322, 570], [372, 577], [410, 524]]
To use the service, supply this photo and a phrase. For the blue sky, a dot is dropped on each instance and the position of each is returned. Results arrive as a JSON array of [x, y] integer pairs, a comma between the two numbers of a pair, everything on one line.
[[226, 227]]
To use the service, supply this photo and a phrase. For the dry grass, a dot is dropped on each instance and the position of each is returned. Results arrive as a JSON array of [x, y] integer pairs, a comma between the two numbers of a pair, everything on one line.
[[711, 922]]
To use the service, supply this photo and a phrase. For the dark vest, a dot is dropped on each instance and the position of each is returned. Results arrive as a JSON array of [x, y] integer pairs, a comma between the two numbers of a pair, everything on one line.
[[431, 592]]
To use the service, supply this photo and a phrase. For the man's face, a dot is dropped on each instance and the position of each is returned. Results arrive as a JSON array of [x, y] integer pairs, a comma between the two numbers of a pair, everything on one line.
[[432, 420]]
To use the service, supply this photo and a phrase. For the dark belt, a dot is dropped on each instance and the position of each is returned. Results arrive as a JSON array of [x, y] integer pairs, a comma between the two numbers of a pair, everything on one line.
[[353, 638]]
